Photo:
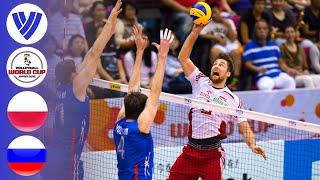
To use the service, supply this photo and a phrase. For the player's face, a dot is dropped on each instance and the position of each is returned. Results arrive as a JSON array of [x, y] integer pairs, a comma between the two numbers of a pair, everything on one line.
[[219, 71]]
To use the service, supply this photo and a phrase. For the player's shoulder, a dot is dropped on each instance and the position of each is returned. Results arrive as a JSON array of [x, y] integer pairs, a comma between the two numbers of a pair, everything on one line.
[[197, 76], [233, 96]]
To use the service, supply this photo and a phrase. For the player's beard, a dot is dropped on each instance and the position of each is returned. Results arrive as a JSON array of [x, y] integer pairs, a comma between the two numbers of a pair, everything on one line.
[[218, 80]]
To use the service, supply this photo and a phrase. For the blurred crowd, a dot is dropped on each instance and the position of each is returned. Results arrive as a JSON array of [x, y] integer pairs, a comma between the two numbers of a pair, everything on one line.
[[274, 44]]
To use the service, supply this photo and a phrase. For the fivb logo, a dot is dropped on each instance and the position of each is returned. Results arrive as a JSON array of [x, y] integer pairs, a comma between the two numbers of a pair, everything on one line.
[[27, 23]]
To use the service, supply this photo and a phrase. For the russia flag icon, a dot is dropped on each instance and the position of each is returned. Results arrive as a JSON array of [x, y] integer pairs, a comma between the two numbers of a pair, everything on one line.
[[27, 111], [26, 155]]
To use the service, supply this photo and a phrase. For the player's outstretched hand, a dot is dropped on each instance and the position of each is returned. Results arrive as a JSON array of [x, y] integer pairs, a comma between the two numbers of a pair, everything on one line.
[[258, 150], [112, 19], [141, 42], [197, 28], [166, 38]]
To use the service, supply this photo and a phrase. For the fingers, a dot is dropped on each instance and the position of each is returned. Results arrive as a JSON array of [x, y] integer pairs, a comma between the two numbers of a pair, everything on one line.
[[156, 45], [135, 32], [166, 35], [118, 4], [139, 27], [261, 152], [161, 34], [172, 38], [169, 35]]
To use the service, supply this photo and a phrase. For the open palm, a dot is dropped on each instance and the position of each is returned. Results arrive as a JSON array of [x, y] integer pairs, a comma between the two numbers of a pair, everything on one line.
[[141, 42]]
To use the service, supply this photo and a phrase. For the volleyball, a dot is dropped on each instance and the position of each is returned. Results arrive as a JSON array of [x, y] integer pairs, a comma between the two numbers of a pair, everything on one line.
[[201, 13]]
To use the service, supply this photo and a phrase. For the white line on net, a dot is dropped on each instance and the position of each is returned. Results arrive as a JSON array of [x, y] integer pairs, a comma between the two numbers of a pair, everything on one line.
[[276, 120]]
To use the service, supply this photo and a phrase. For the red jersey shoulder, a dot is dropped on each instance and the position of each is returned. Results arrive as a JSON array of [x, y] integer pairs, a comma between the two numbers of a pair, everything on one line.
[[199, 76]]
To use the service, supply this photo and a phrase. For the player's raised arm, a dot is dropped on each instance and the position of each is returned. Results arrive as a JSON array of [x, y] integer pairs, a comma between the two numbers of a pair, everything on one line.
[[147, 116], [184, 55], [248, 135], [91, 59], [141, 43], [134, 82]]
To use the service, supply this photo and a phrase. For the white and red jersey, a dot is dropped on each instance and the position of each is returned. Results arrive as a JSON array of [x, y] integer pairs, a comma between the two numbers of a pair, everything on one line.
[[206, 124]]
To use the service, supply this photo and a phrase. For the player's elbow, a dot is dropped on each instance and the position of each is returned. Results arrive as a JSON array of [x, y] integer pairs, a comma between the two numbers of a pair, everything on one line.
[[182, 57], [91, 55]]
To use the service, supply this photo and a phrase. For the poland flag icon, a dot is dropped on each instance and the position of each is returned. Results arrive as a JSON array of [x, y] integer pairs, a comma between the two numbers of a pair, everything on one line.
[[27, 111], [26, 155]]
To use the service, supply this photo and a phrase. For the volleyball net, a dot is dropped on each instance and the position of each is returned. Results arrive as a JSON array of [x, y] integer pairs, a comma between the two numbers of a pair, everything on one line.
[[291, 146]]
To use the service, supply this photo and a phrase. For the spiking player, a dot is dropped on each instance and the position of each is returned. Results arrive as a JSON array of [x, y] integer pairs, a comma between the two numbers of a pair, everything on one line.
[[203, 156], [132, 137]]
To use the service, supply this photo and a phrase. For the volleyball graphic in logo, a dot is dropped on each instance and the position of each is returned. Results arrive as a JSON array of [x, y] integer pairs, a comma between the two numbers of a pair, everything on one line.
[[27, 111], [26, 155], [201, 13]]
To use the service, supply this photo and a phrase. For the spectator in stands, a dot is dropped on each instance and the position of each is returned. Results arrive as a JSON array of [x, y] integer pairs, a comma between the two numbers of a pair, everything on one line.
[[281, 17], [180, 17], [295, 61], [64, 24], [123, 35], [223, 33], [148, 66], [50, 7], [83, 6], [175, 81], [110, 67], [49, 50], [47, 89], [97, 12], [240, 6], [250, 18], [76, 50], [263, 57], [315, 56], [312, 19], [298, 5]]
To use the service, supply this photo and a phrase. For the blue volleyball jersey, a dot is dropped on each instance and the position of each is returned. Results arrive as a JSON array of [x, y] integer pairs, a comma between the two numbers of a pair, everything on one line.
[[71, 127], [134, 151]]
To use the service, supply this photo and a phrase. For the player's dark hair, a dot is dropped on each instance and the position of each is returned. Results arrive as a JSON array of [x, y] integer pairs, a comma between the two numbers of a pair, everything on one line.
[[64, 70], [227, 58], [134, 104]]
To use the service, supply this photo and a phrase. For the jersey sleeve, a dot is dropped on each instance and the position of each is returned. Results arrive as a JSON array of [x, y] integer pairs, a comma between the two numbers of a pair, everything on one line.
[[196, 78]]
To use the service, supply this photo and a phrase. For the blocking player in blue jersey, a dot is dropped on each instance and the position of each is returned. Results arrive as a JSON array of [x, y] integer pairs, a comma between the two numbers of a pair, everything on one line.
[[71, 124], [132, 136]]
